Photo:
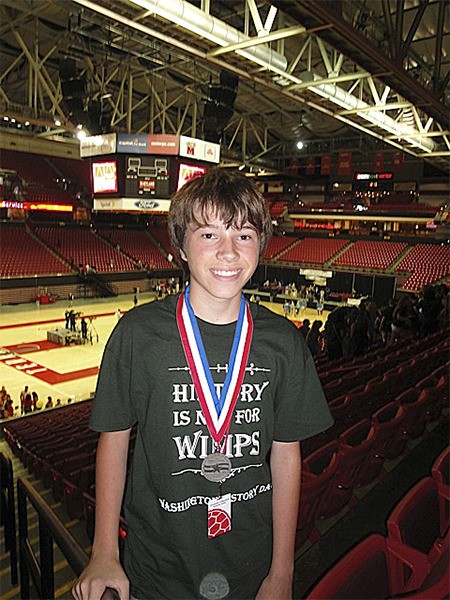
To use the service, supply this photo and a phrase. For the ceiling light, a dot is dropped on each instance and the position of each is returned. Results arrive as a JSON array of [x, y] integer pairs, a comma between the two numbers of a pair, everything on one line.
[[300, 145], [205, 25]]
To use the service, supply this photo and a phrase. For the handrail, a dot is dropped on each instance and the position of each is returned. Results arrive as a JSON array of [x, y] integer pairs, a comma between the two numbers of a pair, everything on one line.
[[8, 513], [50, 529]]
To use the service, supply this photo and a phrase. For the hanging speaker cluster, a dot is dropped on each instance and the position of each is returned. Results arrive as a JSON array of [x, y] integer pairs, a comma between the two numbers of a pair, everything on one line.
[[73, 86], [81, 109], [219, 107]]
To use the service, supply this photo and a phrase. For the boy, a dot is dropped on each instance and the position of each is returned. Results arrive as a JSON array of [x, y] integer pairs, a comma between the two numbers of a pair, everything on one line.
[[221, 392]]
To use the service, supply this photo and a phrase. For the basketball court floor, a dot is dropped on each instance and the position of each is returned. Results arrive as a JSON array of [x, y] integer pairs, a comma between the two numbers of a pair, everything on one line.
[[28, 358]]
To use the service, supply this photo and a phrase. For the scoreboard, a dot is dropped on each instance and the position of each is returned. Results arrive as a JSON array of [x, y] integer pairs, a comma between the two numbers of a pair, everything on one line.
[[147, 176], [141, 173]]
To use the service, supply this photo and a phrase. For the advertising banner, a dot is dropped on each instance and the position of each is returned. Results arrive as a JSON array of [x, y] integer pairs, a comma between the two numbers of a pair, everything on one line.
[[96, 145], [199, 150], [131, 205]]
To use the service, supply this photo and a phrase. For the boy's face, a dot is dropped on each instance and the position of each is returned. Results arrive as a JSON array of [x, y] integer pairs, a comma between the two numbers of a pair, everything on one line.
[[221, 260]]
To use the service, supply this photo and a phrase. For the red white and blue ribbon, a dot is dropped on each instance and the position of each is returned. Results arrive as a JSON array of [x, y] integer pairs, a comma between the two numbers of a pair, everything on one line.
[[216, 410]]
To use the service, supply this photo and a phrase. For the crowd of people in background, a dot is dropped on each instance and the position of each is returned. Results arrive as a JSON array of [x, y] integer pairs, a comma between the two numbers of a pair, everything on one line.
[[351, 331], [29, 402]]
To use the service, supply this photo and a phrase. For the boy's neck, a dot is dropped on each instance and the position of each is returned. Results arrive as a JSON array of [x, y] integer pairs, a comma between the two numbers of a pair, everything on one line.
[[219, 311]]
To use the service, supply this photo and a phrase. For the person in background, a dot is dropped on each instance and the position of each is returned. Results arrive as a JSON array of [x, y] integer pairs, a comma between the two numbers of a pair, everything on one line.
[[305, 327], [28, 403], [8, 409], [313, 338], [23, 394]]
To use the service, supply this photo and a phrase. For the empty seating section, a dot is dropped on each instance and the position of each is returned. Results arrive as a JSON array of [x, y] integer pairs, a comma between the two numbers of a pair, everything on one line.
[[161, 234], [32, 168], [44, 176], [278, 207], [276, 245], [410, 561], [83, 246], [76, 171], [376, 415], [47, 196], [313, 250], [370, 255], [137, 245], [22, 255], [426, 264]]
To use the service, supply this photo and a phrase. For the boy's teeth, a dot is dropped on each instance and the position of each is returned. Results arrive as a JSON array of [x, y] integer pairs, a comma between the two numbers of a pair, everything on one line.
[[225, 273]]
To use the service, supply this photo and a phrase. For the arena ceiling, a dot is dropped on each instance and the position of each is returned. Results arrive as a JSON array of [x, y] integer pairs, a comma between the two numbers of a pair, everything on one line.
[[355, 75]]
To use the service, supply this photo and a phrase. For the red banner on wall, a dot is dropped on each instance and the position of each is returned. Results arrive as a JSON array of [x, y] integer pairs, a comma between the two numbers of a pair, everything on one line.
[[397, 161], [344, 166], [378, 161], [325, 165], [293, 167], [310, 165]]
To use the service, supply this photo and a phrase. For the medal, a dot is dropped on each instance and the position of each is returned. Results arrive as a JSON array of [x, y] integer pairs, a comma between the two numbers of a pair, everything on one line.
[[214, 587], [216, 467], [217, 411]]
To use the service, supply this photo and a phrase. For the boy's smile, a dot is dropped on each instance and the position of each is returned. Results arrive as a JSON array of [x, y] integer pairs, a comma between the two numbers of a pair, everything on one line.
[[221, 260]]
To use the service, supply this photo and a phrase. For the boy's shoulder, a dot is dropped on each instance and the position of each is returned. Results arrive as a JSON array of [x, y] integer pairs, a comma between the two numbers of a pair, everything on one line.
[[151, 311]]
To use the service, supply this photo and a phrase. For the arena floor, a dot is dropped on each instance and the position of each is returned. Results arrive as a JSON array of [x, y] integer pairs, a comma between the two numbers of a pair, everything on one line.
[[65, 372]]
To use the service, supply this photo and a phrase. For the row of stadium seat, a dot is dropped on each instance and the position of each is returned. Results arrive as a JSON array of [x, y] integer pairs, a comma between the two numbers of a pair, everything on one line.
[[412, 560]]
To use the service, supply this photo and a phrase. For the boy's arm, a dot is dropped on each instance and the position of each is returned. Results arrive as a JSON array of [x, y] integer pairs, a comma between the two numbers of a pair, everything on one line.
[[285, 463], [104, 569]]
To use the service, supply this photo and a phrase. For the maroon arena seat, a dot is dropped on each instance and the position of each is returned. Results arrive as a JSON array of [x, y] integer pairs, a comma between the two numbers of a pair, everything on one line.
[[440, 471], [437, 583], [354, 446], [388, 421], [415, 527], [317, 472], [415, 419], [364, 574]]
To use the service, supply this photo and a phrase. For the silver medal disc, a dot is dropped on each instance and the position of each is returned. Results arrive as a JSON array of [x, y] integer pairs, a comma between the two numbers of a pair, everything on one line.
[[216, 467], [214, 587]]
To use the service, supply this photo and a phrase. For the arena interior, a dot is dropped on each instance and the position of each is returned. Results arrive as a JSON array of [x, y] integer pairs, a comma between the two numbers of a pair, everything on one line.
[[339, 112]]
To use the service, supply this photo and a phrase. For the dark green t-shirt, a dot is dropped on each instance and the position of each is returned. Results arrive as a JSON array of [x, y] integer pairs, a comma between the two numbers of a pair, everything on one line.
[[145, 381]]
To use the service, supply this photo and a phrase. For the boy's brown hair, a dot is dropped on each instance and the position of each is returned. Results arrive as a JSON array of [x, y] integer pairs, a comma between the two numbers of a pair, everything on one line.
[[226, 194]]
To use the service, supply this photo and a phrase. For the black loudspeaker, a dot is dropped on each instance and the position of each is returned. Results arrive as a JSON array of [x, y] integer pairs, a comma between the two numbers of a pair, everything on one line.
[[73, 88], [219, 107], [68, 68], [73, 83]]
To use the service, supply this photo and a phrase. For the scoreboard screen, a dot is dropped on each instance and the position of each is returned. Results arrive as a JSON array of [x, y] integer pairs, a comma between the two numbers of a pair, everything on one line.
[[186, 172], [105, 177], [147, 176]]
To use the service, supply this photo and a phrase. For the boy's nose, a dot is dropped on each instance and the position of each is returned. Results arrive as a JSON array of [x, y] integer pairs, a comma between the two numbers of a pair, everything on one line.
[[227, 250]]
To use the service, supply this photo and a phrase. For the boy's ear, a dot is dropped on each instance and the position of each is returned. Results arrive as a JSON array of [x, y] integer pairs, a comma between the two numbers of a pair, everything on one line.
[[183, 254]]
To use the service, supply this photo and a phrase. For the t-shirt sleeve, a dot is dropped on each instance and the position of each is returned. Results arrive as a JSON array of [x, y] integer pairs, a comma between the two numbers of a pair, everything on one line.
[[112, 408], [301, 409]]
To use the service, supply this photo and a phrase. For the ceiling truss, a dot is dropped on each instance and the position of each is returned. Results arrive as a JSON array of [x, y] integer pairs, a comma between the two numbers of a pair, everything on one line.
[[300, 72]]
